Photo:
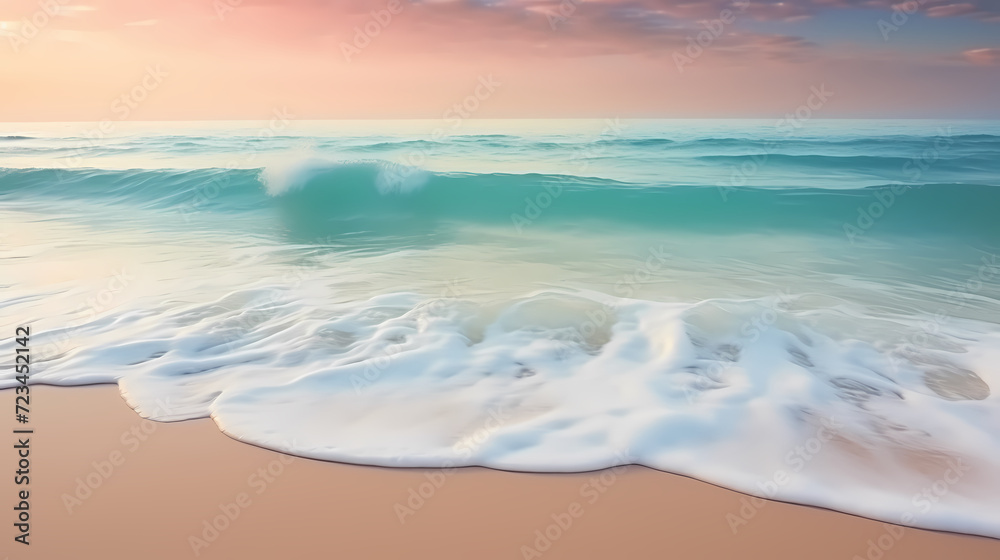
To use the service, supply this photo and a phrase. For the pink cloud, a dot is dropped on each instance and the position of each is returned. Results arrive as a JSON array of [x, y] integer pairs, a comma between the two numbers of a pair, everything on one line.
[[985, 10], [985, 57], [620, 53], [951, 10]]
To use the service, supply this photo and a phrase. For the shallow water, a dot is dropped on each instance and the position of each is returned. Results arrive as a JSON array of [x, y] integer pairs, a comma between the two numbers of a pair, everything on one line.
[[806, 315]]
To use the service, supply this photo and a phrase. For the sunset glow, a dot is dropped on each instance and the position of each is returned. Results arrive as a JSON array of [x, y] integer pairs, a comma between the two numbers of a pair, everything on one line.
[[232, 59]]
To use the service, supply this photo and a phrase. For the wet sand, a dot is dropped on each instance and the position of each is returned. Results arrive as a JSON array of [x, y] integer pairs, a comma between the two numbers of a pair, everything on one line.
[[106, 484]]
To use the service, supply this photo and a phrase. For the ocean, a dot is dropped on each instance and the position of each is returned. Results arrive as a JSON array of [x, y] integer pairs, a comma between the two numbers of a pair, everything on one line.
[[803, 311]]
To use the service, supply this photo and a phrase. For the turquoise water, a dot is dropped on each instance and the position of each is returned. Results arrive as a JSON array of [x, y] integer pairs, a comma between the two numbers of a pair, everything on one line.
[[698, 296]]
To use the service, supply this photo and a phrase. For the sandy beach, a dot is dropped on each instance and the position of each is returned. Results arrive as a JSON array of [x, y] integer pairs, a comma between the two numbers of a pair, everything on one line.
[[107, 484]]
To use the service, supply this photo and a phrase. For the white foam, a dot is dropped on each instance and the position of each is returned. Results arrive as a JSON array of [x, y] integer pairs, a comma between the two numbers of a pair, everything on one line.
[[292, 172], [851, 400], [727, 391]]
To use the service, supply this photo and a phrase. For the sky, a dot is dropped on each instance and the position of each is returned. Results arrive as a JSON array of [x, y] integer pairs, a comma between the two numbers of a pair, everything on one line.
[[100, 60]]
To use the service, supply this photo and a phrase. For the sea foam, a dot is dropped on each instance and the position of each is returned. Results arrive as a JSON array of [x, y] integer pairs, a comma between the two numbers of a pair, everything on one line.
[[820, 329]]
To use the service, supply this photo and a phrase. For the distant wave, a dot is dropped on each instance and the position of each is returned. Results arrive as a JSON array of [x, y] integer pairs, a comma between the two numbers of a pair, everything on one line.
[[317, 197], [842, 162]]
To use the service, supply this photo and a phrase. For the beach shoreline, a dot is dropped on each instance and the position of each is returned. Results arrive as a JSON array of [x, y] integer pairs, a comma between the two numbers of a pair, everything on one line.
[[107, 484]]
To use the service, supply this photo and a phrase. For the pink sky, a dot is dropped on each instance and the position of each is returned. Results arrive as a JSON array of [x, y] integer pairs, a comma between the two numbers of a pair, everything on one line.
[[227, 59]]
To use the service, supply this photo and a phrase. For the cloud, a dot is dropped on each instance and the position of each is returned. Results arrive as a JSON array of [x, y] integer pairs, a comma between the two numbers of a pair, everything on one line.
[[951, 10], [496, 28], [775, 10], [578, 28], [984, 57], [984, 10]]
